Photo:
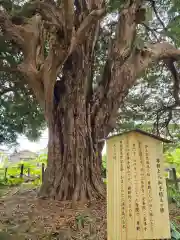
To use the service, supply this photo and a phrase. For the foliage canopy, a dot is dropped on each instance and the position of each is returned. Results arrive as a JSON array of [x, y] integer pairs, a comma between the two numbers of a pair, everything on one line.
[[153, 103]]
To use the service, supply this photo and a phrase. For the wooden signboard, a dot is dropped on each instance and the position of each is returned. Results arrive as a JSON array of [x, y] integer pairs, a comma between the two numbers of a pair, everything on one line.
[[137, 198]]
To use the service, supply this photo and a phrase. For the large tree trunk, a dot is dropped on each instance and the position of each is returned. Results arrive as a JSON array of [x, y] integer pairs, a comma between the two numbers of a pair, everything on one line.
[[64, 39], [74, 158]]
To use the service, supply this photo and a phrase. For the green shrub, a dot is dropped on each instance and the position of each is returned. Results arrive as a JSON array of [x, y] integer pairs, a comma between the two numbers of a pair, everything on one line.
[[14, 181], [3, 183], [173, 195], [33, 167], [172, 157]]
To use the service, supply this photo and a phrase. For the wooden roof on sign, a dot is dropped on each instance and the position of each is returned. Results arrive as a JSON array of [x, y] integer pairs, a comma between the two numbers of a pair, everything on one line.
[[143, 133]]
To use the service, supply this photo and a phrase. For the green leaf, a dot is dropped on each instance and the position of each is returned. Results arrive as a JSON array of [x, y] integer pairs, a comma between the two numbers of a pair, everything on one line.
[[174, 233]]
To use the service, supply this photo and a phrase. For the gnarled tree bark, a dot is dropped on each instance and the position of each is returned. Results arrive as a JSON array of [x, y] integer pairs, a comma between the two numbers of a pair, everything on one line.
[[81, 116], [74, 166]]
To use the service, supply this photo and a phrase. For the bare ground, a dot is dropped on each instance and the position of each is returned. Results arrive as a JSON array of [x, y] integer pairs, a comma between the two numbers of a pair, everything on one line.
[[24, 216]]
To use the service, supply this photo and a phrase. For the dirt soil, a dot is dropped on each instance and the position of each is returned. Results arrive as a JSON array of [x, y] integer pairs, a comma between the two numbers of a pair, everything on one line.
[[25, 217]]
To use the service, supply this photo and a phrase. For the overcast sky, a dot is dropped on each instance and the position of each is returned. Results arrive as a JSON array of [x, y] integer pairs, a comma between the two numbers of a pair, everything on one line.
[[25, 144]]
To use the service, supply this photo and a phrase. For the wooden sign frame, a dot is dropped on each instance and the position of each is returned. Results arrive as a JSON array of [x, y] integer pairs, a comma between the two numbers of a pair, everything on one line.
[[137, 196]]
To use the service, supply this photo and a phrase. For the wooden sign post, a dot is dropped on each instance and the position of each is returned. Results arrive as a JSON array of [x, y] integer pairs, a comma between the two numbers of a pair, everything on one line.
[[137, 198]]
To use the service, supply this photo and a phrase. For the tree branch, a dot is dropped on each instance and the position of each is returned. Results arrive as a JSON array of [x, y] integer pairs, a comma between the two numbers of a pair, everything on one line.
[[153, 31], [121, 51], [164, 116], [8, 69], [69, 14], [27, 37], [84, 28], [21, 34], [153, 4], [31, 78], [176, 79], [34, 82], [49, 12], [152, 53], [57, 56], [126, 30], [80, 35], [124, 77], [10, 30]]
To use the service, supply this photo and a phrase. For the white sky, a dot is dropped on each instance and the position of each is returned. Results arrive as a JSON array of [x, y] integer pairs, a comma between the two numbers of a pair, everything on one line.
[[25, 144]]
